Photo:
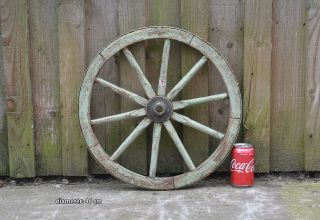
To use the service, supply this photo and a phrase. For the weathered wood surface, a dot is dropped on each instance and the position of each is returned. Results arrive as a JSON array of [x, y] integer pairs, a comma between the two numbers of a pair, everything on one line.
[[132, 16], [71, 29], [156, 135], [196, 125], [196, 173], [194, 18], [123, 92], [164, 12], [181, 147], [15, 43], [226, 34], [119, 117], [312, 88], [197, 101], [288, 82], [44, 66], [101, 28], [257, 79], [4, 157], [131, 138], [55, 41]]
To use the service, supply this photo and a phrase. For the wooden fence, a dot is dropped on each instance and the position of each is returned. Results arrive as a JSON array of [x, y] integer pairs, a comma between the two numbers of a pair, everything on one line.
[[272, 46]]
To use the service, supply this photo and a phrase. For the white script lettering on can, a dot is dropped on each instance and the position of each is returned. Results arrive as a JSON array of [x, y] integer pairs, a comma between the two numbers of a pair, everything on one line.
[[242, 167]]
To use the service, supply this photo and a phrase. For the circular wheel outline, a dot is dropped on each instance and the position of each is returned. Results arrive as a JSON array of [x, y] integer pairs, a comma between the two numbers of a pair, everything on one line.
[[207, 166]]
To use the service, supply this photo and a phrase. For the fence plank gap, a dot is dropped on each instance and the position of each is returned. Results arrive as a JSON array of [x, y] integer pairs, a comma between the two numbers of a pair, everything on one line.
[[312, 88], [194, 18], [102, 26], [287, 86], [164, 13], [71, 23], [226, 34], [132, 16], [257, 79], [44, 65], [15, 43]]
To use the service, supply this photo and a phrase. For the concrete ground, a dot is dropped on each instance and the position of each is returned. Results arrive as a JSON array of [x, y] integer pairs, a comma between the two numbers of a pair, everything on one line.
[[272, 197]]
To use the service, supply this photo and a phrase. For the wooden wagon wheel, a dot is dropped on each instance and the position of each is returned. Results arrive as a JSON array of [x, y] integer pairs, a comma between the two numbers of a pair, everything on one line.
[[158, 108]]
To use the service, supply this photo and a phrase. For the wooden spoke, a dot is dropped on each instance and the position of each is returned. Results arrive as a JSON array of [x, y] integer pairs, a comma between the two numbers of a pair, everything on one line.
[[181, 84], [173, 134], [164, 68], [139, 73], [130, 95], [134, 134], [189, 102], [196, 125], [118, 117], [155, 149]]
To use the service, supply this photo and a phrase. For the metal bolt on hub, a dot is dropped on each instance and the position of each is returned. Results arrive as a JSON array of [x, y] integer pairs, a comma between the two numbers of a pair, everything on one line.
[[159, 109]]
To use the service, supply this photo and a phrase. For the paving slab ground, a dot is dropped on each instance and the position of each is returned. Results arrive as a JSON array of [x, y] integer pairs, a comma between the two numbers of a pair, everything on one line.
[[272, 197]]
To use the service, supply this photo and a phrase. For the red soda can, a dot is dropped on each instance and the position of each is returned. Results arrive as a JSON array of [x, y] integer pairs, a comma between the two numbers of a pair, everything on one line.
[[242, 165]]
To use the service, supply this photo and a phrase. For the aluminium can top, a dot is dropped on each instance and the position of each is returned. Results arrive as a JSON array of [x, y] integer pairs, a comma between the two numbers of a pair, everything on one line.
[[243, 145]]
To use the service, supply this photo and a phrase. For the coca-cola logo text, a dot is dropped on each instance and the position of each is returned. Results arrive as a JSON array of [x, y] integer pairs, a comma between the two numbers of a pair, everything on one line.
[[242, 167]]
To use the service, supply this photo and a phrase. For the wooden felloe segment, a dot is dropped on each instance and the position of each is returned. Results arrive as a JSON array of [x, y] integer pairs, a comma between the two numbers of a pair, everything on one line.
[[71, 25], [44, 66], [164, 12], [4, 162], [131, 16], [194, 18], [15, 43], [102, 27], [226, 34], [287, 83], [312, 88], [257, 79]]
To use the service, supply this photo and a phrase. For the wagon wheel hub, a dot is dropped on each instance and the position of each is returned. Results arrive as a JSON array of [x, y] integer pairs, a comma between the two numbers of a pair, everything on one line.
[[159, 109]]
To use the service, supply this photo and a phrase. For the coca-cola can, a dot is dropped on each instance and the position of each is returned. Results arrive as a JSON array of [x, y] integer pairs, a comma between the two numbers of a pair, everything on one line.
[[242, 165]]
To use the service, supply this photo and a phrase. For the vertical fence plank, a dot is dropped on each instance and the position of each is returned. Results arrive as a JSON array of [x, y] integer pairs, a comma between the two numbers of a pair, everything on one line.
[[14, 27], [44, 65], [194, 18], [101, 28], [226, 34], [4, 157], [165, 13], [132, 16], [257, 79], [312, 91], [72, 68], [287, 80]]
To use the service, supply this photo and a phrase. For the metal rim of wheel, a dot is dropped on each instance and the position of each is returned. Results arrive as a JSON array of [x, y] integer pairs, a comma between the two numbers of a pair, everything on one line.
[[158, 108]]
